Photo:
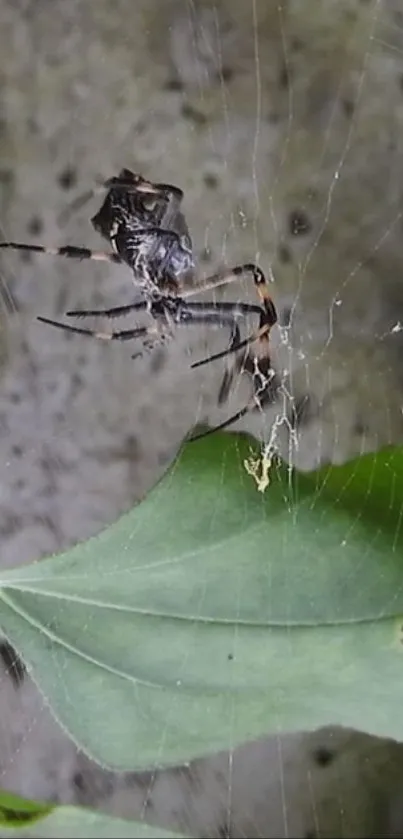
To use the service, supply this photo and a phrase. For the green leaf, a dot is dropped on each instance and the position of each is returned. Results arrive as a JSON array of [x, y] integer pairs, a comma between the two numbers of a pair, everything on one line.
[[34, 819], [16, 811], [212, 613]]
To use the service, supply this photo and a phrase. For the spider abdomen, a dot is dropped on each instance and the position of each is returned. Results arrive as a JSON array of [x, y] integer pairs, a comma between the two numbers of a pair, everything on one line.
[[155, 255]]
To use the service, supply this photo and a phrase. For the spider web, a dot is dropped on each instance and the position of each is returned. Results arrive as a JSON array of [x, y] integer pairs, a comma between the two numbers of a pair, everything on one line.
[[284, 129]]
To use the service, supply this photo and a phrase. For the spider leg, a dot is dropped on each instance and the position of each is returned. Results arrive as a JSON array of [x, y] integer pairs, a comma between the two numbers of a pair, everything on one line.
[[231, 275], [124, 335], [222, 425], [267, 309], [213, 319], [214, 314], [229, 311], [227, 277], [115, 312], [185, 315], [223, 313], [254, 402], [233, 348], [67, 250], [238, 310], [261, 336], [268, 317]]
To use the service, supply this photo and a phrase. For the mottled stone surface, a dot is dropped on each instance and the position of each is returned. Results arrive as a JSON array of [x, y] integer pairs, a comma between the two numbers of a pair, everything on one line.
[[283, 123]]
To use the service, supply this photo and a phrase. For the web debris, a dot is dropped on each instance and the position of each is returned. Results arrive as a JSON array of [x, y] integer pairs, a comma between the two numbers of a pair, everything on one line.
[[258, 467]]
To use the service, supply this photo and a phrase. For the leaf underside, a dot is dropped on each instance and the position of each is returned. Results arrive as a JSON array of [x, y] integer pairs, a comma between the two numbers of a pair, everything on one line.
[[34, 820], [211, 614]]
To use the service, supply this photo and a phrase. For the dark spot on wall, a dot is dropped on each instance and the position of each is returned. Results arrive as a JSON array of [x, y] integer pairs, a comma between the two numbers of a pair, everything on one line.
[[35, 226], [210, 180], [296, 44], [348, 107], [4, 424], [221, 778], [284, 77], [6, 177], [310, 834], [78, 781], [17, 451], [193, 114], [284, 254], [133, 448], [12, 662], [15, 398], [299, 223], [77, 381], [157, 361], [230, 657], [323, 756], [226, 74], [360, 428], [174, 84], [67, 178]]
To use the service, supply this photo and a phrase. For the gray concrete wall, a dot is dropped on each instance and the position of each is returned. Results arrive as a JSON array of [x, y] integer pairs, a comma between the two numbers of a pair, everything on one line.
[[283, 123]]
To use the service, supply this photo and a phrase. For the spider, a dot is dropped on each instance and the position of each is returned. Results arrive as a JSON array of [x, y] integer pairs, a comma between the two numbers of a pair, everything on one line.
[[147, 231]]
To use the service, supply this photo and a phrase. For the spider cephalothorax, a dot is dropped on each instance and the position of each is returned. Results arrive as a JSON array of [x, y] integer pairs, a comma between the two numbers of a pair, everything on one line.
[[146, 229]]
